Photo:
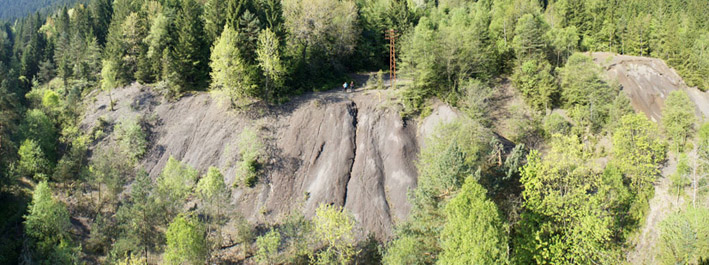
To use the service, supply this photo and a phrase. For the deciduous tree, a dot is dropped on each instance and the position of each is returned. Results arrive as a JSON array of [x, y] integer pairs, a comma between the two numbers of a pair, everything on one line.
[[231, 74], [678, 119], [474, 232]]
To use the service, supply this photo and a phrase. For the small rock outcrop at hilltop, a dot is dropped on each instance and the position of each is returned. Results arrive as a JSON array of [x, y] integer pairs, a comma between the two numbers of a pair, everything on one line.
[[347, 149], [648, 81]]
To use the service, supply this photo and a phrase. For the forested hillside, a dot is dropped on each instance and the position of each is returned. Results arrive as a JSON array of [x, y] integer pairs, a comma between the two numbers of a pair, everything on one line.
[[12, 9], [546, 163]]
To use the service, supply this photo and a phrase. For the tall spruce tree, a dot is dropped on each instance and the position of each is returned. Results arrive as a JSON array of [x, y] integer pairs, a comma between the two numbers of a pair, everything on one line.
[[190, 50]]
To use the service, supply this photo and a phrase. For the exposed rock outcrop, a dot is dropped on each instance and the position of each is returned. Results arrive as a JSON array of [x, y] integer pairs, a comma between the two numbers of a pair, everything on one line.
[[648, 82], [348, 149]]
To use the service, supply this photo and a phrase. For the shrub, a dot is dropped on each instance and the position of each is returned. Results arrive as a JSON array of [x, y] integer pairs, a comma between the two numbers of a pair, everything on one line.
[[131, 138], [334, 227], [268, 244], [556, 124], [251, 150]]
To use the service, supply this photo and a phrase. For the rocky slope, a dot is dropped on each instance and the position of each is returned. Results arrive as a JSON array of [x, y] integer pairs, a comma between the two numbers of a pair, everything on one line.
[[648, 81], [348, 149]]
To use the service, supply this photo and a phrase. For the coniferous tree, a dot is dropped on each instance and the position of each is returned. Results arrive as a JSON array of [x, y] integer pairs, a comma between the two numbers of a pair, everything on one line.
[[249, 28], [214, 19], [190, 51], [101, 12], [529, 36]]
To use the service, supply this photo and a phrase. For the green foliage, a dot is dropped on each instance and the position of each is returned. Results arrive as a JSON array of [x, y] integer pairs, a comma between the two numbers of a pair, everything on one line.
[[530, 32], [296, 231], [138, 220], [39, 127], [536, 82], [47, 225], [133, 260], [439, 56], [251, 152], [12, 9], [214, 195], [684, 236], [680, 178], [505, 16], [526, 127], [565, 221], [269, 60], [564, 41], [449, 156], [556, 124], [50, 100], [232, 76], [212, 185], [678, 119], [404, 250], [131, 138], [380, 80], [321, 26], [638, 150], [621, 107], [268, 245], [637, 153], [33, 162], [245, 232], [191, 51], [474, 232], [334, 228], [157, 40], [174, 185], [185, 242], [214, 19], [476, 100], [109, 167], [585, 92], [109, 78]]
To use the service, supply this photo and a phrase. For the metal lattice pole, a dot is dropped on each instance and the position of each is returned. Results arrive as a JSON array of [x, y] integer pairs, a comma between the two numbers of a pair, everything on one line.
[[391, 36]]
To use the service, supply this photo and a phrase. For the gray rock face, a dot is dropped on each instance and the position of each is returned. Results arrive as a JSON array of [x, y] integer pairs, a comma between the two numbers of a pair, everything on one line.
[[350, 150], [648, 82]]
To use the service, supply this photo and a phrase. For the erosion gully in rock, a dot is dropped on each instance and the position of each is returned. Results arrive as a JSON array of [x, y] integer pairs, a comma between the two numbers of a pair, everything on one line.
[[346, 149]]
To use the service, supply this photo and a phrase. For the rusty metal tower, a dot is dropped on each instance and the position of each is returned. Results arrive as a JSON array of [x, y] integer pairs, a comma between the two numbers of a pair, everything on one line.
[[391, 35]]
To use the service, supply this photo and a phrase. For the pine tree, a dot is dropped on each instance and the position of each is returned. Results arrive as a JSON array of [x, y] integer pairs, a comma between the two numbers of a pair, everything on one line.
[[529, 36], [249, 28], [214, 19], [190, 51], [101, 12]]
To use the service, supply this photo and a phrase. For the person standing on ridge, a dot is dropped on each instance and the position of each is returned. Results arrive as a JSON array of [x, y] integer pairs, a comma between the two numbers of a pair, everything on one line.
[[344, 86], [352, 87]]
